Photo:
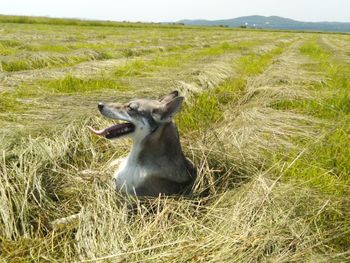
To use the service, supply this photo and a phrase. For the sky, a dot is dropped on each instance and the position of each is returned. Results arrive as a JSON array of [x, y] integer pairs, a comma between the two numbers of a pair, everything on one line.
[[174, 10]]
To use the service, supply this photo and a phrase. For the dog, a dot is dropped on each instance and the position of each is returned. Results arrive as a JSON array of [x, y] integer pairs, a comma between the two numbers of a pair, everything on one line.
[[156, 164]]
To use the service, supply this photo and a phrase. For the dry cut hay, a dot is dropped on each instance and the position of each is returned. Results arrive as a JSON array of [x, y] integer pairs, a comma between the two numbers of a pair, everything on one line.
[[257, 222], [263, 220]]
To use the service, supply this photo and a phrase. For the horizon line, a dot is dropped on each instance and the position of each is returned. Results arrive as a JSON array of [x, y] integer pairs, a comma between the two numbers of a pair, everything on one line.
[[192, 19]]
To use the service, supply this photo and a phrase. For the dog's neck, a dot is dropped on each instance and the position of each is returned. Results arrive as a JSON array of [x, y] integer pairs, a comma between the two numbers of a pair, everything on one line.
[[162, 142], [159, 151]]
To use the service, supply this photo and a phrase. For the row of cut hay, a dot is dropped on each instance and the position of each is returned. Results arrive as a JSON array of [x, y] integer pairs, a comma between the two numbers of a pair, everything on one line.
[[47, 60], [256, 222], [41, 178], [338, 46]]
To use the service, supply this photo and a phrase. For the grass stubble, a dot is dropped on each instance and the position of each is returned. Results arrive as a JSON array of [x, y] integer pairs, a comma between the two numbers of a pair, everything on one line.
[[273, 181]]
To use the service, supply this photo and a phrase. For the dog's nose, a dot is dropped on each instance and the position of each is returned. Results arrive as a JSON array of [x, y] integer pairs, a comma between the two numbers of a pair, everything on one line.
[[100, 106]]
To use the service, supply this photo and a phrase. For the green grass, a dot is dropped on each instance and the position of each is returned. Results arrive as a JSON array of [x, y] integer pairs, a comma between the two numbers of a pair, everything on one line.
[[71, 84], [227, 47], [39, 62], [9, 47], [325, 164], [130, 52], [230, 90], [135, 68], [206, 108], [141, 67], [10, 103], [10, 43], [255, 64], [179, 47], [169, 62], [48, 48], [203, 112], [313, 50]]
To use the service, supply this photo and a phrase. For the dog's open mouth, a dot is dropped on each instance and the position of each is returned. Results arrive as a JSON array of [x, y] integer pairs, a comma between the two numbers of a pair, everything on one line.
[[115, 131]]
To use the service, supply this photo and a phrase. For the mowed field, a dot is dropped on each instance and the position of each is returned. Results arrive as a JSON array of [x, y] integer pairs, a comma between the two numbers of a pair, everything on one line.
[[266, 120]]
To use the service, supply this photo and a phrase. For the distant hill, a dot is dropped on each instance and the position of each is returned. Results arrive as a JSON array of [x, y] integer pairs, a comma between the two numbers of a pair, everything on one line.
[[272, 22]]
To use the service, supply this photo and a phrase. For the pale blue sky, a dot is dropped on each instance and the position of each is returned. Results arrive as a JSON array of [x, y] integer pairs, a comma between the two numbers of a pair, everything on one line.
[[173, 10]]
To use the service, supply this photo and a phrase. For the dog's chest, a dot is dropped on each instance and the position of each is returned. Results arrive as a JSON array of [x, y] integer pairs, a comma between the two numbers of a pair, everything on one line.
[[130, 175]]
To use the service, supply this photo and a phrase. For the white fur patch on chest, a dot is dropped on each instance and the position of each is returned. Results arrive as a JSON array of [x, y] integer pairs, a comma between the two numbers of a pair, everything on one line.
[[130, 174]]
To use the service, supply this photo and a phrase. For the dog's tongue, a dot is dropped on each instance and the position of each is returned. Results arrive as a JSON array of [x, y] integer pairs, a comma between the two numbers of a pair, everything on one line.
[[114, 131], [105, 131]]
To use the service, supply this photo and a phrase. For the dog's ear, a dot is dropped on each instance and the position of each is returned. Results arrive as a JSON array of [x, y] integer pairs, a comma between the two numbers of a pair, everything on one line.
[[169, 96], [166, 112]]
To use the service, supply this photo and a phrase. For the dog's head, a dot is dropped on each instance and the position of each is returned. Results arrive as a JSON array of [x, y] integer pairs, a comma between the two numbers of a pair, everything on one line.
[[140, 116]]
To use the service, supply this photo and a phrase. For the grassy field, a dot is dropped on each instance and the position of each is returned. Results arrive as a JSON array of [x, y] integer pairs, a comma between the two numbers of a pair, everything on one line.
[[266, 121]]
